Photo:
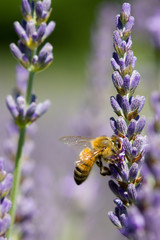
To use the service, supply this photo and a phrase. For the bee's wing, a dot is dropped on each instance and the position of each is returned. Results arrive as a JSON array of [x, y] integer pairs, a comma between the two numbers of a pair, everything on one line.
[[77, 141]]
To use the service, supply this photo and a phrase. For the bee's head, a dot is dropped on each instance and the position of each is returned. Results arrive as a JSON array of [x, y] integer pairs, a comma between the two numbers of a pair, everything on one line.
[[117, 142]]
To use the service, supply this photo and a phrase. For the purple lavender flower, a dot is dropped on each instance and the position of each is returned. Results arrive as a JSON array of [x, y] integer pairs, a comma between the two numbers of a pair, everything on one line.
[[129, 125], [5, 203], [24, 114], [143, 219], [32, 33]]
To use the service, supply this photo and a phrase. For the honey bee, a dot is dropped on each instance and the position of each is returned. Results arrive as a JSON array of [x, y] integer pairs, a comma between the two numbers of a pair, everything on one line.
[[95, 151]]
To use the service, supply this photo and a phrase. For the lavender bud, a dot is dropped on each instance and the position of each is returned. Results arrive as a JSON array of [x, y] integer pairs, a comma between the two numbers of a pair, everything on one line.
[[133, 172], [49, 29], [16, 51], [120, 205], [135, 78], [131, 128], [126, 83], [118, 22], [132, 193], [129, 58], [123, 195], [125, 12], [135, 103], [114, 219], [41, 31], [5, 206], [128, 147], [12, 106], [121, 126], [113, 124], [115, 106], [139, 143], [134, 152], [124, 220], [117, 39], [39, 9], [4, 224], [117, 80], [6, 184], [44, 52], [128, 27], [42, 108], [124, 171], [140, 125], [114, 187], [21, 103], [35, 60], [125, 105], [30, 111], [26, 9], [115, 65], [115, 172], [30, 28], [21, 32], [46, 4]]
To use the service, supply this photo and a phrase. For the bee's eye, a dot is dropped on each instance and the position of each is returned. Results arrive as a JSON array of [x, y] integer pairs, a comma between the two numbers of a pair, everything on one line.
[[119, 145]]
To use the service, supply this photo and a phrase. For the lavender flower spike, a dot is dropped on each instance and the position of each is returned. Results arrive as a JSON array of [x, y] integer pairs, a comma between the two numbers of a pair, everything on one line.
[[32, 33], [126, 171], [5, 203]]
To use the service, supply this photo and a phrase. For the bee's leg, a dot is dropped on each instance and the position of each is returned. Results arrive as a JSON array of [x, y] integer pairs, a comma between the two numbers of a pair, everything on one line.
[[103, 169]]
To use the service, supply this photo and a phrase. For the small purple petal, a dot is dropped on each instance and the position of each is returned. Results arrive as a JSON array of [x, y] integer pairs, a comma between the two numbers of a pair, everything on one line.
[[113, 124], [4, 224], [50, 28], [135, 78], [128, 147], [16, 51], [126, 82], [114, 219], [117, 79], [126, 11], [114, 187], [20, 31], [30, 111], [140, 125], [12, 106], [42, 108], [129, 58], [115, 65], [133, 172], [30, 28], [121, 126], [41, 31], [46, 4], [131, 128], [117, 109], [39, 9], [26, 9], [125, 105], [44, 52]]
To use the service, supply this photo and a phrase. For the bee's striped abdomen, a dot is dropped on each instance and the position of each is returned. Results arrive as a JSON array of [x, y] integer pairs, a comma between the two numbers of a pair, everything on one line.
[[83, 165]]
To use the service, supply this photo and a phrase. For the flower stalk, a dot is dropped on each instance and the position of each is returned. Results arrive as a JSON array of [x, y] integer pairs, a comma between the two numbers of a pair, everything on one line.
[[126, 172], [23, 108]]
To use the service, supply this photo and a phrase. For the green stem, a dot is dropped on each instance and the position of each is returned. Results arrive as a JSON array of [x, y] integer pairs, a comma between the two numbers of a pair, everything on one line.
[[29, 87], [17, 168], [16, 178]]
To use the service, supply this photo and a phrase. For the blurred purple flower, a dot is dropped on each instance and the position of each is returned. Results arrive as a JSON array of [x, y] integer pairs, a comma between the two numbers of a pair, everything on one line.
[[153, 24]]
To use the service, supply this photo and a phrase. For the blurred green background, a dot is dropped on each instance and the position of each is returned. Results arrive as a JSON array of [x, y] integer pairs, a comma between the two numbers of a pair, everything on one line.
[[64, 83]]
